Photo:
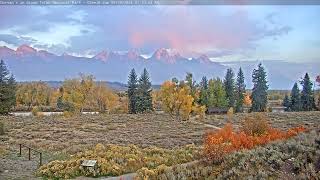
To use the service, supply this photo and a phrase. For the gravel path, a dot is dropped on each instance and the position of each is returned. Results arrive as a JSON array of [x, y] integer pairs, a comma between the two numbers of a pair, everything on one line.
[[17, 168], [206, 125]]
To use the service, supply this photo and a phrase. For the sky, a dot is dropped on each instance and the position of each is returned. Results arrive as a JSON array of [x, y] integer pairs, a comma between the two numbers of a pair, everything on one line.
[[224, 33]]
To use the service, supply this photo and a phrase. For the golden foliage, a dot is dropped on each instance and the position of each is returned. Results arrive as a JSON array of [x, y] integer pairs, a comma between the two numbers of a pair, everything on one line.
[[156, 99], [55, 94], [177, 100], [76, 91], [68, 114], [199, 110], [83, 93], [247, 100], [35, 111], [230, 114], [115, 160], [104, 98], [122, 106], [33, 94]]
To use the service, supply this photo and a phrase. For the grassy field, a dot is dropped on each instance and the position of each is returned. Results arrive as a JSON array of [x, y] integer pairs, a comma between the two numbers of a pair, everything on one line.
[[70, 135], [74, 134], [59, 137], [278, 120]]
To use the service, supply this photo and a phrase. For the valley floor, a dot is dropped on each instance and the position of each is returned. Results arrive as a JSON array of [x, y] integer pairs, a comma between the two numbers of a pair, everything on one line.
[[58, 137]]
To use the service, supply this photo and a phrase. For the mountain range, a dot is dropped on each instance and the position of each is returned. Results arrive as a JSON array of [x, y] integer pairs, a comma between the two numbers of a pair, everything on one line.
[[28, 64]]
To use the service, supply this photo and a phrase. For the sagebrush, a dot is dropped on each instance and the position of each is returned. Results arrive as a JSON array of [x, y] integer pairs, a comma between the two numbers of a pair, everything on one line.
[[115, 160]]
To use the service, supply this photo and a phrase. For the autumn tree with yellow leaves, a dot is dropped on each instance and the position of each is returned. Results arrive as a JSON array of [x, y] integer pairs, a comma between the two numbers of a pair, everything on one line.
[[34, 94], [177, 100], [104, 98], [83, 92]]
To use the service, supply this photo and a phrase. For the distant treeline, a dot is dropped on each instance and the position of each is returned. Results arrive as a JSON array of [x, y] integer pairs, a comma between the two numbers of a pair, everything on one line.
[[117, 86], [177, 97], [303, 100]]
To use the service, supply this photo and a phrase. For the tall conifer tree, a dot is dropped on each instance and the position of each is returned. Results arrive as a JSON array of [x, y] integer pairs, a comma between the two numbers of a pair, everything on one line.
[[132, 92], [191, 83], [203, 99], [295, 100], [7, 89], [286, 102], [144, 98], [217, 94], [229, 85], [240, 91], [259, 91], [307, 98]]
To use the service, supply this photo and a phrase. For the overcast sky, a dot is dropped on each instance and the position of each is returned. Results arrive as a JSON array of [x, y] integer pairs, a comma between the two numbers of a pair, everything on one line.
[[224, 33]]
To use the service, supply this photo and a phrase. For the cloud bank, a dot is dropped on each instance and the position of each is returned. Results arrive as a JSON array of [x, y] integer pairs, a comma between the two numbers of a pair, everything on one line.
[[217, 31]]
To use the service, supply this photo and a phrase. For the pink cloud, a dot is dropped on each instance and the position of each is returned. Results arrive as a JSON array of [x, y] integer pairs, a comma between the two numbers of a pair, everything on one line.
[[188, 31]]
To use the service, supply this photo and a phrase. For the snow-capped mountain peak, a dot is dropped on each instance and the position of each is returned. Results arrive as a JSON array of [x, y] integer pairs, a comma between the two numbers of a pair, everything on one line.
[[167, 55]]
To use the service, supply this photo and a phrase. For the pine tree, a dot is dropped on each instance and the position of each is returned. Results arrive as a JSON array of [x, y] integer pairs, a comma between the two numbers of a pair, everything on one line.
[[132, 92], [144, 98], [7, 89], [307, 98], [259, 91], [203, 99], [286, 102], [175, 80], [229, 85], [240, 91], [318, 81], [60, 104], [295, 100], [216, 94], [191, 84]]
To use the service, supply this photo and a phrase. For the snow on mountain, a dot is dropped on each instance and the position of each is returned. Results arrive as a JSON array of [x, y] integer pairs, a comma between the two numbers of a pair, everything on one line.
[[27, 63], [45, 54], [166, 55]]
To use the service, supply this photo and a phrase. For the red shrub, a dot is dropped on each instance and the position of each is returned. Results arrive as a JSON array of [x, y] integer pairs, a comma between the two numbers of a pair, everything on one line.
[[224, 141]]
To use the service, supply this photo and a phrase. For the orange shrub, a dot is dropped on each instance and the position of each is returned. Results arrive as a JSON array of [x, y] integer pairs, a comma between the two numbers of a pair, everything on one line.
[[224, 141]]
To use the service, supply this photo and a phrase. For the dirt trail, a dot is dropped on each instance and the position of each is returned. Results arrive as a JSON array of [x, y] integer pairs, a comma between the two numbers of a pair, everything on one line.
[[129, 176], [14, 167], [206, 125]]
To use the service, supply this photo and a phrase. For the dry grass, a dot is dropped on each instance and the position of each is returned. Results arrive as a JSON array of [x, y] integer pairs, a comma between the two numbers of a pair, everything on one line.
[[74, 134], [63, 136], [284, 120], [77, 133]]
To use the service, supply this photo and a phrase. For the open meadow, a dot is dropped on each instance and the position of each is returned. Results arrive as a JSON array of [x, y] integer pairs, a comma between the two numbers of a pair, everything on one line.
[[72, 134], [59, 137], [283, 120]]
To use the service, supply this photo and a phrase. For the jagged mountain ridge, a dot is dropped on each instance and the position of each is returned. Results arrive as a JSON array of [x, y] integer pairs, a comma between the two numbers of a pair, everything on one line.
[[28, 63]]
